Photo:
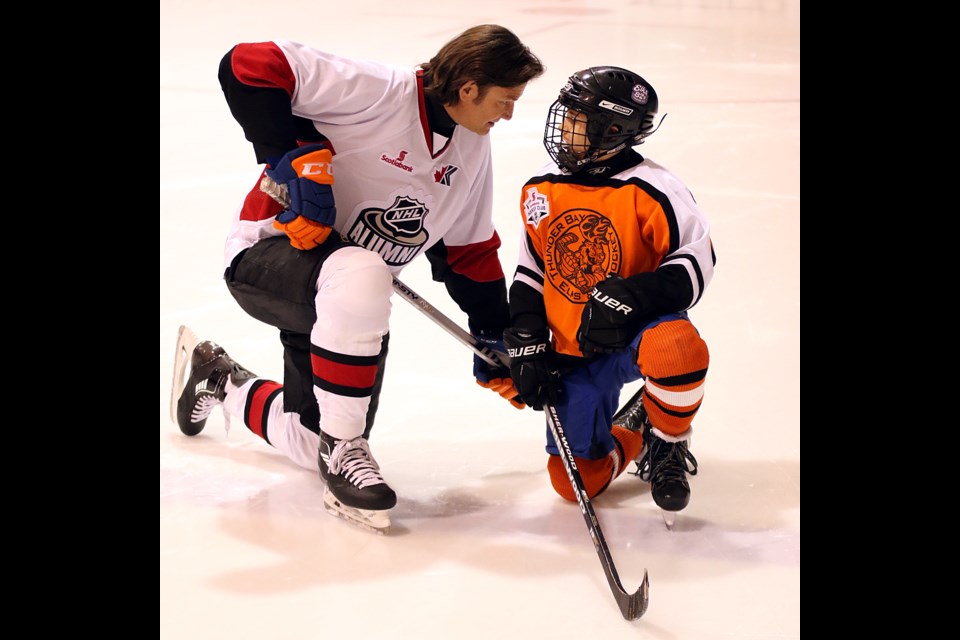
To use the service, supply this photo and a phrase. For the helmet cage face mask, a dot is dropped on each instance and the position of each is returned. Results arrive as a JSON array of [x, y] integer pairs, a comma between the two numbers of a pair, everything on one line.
[[574, 138], [613, 121]]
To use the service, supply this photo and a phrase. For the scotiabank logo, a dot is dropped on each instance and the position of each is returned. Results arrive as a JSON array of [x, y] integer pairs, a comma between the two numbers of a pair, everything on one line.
[[398, 161]]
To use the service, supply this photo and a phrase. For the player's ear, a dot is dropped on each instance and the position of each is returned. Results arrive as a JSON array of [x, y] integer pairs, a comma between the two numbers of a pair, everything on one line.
[[469, 91]]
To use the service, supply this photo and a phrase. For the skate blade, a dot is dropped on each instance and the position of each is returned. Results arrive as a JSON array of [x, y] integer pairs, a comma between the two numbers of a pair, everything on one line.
[[186, 341], [375, 521], [669, 518]]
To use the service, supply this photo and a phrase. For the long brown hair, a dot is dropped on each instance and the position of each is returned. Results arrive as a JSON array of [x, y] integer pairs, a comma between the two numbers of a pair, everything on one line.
[[488, 54]]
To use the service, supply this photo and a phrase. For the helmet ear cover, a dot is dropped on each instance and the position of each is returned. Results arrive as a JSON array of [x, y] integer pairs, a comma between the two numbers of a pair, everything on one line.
[[605, 129]]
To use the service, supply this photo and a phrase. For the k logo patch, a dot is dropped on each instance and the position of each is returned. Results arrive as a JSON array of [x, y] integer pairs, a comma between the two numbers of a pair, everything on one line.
[[444, 174]]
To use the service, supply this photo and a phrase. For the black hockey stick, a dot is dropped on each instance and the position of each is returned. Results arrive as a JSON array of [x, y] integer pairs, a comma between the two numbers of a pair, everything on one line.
[[632, 605]]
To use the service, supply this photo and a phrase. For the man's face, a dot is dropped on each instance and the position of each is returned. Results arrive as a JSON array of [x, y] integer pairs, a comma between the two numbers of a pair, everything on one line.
[[479, 114]]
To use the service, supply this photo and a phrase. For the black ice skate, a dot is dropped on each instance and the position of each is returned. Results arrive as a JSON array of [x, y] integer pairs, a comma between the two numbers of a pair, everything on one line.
[[663, 464], [210, 366], [632, 416], [355, 489]]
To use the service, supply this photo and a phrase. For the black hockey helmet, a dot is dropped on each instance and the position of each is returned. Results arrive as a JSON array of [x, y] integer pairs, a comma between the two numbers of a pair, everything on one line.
[[618, 107]]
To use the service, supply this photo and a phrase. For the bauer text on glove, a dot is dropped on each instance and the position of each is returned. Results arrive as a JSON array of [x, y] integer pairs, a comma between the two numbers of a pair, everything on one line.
[[307, 173], [532, 366], [611, 317], [496, 378]]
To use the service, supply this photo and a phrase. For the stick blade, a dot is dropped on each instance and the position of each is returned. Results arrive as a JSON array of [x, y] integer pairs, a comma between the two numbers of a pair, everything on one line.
[[632, 606]]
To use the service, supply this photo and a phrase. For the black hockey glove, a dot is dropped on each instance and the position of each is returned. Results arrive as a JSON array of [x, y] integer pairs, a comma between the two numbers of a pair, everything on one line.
[[610, 319], [495, 378], [532, 366]]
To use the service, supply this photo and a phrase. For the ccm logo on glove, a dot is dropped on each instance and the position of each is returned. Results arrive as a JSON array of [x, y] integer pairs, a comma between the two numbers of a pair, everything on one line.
[[321, 172]]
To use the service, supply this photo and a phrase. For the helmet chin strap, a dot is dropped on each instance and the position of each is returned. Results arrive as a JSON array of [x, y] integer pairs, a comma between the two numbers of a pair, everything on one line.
[[606, 155], [567, 157]]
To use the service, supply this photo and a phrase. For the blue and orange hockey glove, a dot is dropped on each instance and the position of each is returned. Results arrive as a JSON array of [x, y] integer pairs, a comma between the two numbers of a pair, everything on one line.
[[496, 378], [307, 173]]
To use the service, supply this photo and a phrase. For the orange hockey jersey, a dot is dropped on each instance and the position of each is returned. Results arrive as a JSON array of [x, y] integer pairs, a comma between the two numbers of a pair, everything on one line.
[[628, 216]]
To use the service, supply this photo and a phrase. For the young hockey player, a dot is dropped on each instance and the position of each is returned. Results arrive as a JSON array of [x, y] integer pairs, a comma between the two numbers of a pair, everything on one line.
[[615, 251], [380, 164]]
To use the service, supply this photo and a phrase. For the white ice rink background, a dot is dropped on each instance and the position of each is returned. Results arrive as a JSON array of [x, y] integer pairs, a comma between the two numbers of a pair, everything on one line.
[[481, 546]]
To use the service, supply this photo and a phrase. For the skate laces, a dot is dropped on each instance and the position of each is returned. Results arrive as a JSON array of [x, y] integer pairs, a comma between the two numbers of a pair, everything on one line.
[[210, 393], [352, 460], [665, 461], [203, 408]]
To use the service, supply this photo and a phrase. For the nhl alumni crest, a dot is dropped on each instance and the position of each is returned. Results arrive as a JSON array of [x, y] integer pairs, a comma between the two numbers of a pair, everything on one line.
[[396, 233]]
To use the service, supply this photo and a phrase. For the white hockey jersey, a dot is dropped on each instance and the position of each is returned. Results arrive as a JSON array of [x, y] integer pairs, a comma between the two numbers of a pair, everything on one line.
[[398, 188]]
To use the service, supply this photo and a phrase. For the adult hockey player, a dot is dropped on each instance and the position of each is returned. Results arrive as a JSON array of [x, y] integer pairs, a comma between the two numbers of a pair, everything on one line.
[[380, 165], [615, 251]]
